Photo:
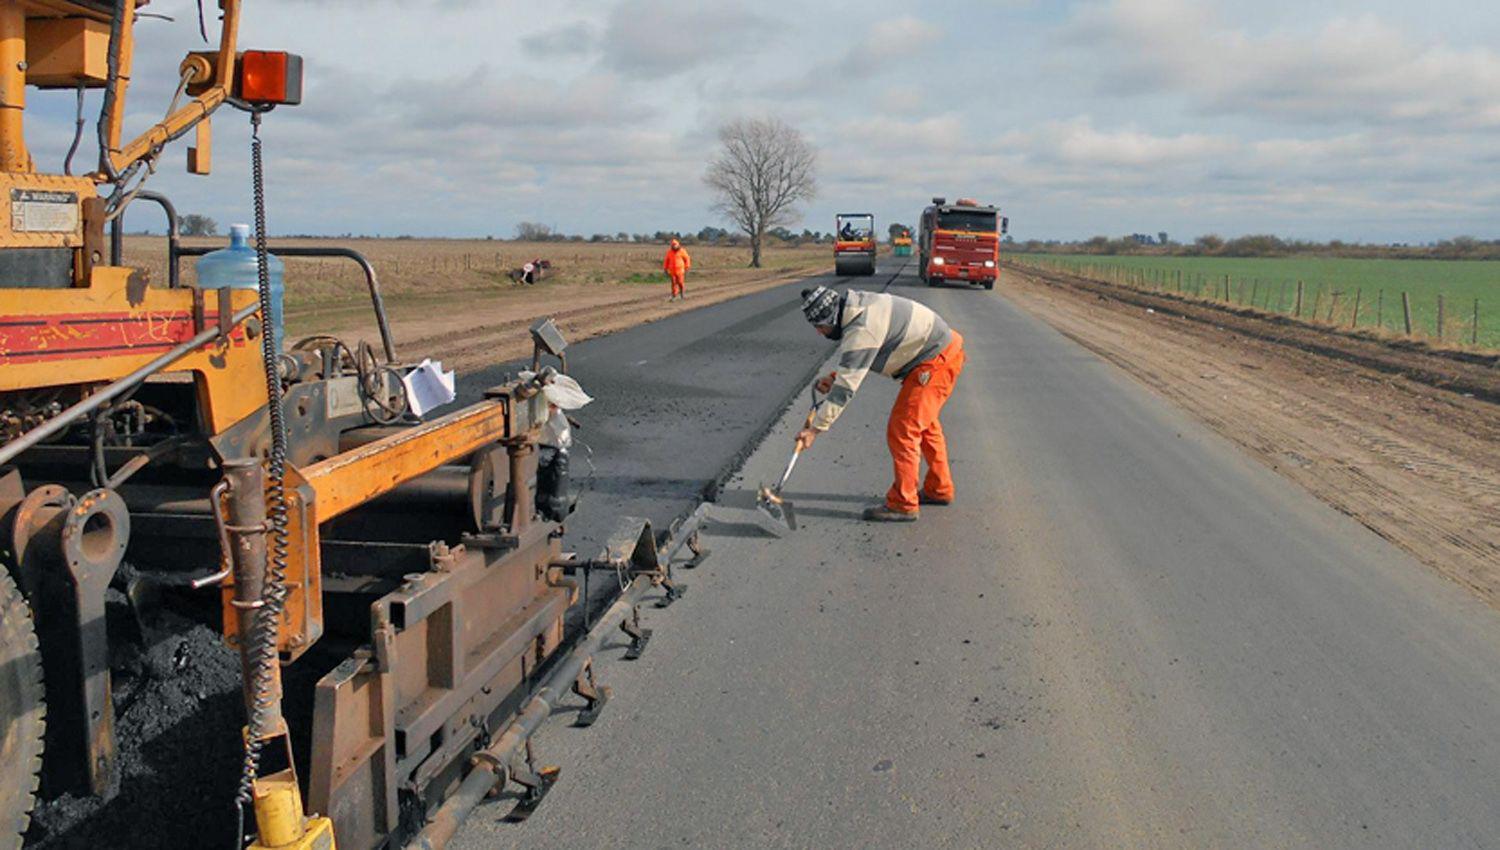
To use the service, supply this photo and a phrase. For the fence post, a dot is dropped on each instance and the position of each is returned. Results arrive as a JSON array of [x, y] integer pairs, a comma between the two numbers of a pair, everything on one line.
[[1474, 336], [1254, 288], [1298, 311], [1226, 289], [1354, 322], [1440, 317], [1333, 305], [1406, 310], [1380, 310]]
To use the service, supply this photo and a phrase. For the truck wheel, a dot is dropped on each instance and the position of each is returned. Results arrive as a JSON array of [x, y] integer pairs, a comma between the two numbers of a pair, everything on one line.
[[23, 713], [989, 284]]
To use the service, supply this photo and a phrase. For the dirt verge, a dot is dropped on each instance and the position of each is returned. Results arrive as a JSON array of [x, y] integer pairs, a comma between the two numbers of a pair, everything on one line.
[[1405, 440], [1463, 371]]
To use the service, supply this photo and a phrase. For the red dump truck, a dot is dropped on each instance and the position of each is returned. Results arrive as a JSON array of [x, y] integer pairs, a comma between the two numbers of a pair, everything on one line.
[[960, 242]]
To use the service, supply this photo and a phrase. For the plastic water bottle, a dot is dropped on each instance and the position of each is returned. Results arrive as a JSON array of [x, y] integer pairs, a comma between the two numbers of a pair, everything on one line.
[[235, 267]]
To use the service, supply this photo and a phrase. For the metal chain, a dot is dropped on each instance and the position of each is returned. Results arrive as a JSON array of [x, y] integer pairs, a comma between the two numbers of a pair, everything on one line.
[[262, 651]]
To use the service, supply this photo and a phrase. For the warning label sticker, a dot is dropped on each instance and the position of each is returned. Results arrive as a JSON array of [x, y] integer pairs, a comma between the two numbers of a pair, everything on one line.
[[39, 211]]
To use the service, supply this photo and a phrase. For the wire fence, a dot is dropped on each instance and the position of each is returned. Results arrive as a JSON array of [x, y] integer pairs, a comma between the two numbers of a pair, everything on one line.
[[1453, 319]]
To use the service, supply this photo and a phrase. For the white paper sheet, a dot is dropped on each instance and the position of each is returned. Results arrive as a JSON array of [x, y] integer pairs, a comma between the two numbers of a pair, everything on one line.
[[428, 386]]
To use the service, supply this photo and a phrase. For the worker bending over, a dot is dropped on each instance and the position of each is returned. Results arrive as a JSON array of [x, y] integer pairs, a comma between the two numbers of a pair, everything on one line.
[[676, 264], [909, 342]]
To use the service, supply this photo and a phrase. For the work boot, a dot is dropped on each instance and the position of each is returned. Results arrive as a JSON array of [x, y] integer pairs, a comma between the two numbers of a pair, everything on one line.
[[925, 499], [881, 513]]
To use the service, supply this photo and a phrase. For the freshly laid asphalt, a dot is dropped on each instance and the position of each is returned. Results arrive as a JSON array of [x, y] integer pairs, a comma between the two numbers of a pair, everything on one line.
[[1123, 634], [678, 402]]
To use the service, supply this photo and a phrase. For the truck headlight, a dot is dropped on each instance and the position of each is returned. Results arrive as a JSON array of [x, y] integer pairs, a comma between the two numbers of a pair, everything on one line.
[[937, 261], [989, 264]]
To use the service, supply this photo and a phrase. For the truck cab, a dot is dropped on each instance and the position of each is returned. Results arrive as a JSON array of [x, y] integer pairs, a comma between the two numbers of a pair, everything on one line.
[[961, 242]]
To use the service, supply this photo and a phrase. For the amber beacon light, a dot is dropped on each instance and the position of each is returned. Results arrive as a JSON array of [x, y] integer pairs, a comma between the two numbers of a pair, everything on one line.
[[270, 77]]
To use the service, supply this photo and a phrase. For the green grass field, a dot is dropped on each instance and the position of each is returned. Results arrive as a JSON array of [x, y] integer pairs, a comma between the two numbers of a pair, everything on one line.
[[1330, 285]]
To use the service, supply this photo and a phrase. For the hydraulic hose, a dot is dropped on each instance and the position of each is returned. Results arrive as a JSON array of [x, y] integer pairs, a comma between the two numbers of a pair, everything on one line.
[[112, 64]]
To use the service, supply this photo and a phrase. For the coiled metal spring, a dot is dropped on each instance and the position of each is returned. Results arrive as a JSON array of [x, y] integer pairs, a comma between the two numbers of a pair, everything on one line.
[[262, 649]]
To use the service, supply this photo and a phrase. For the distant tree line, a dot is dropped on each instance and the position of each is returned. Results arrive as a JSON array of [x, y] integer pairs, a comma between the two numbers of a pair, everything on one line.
[[528, 231], [1262, 245]]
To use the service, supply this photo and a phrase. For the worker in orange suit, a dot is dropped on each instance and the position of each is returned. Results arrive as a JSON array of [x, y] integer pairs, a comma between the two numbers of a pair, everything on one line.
[[901, 339], [676, 264]]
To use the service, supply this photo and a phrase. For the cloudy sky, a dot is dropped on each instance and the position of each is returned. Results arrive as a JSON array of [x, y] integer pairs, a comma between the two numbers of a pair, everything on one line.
[[1374, 121]]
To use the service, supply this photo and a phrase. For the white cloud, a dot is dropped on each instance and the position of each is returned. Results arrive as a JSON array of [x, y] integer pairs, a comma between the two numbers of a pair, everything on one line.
[[516, 103], [1345, 70], [1292, 152], [1363, 119], [884, 48], [570, 39], [661, 38], [1079, 143], [894, 37], [894, 134]]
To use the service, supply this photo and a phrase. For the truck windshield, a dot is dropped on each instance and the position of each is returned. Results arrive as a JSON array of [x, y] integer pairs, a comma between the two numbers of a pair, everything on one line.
[[971, 221], [856, 227]]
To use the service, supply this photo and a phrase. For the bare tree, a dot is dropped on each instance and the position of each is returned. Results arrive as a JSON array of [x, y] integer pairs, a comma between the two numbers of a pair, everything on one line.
[[764, 169], [194, 224]]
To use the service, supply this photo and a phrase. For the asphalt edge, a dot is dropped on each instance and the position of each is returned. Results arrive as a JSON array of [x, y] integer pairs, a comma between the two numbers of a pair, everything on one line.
[[711, 490]]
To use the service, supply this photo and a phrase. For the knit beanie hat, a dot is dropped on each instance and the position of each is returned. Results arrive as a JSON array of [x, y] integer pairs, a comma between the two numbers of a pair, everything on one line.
[[821, 306]]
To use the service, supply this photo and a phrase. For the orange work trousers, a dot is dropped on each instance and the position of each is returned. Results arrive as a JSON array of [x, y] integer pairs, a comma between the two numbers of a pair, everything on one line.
[[678, 287], [914, 433]]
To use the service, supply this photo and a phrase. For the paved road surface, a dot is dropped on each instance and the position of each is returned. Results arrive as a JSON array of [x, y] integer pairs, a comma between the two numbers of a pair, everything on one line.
[[677, 401], [1124, 635]]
